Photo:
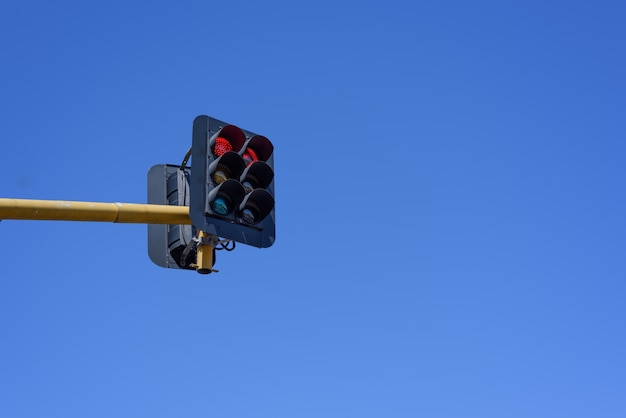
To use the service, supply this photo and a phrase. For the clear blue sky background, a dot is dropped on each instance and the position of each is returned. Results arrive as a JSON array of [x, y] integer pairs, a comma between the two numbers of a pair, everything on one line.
[[450, 184]]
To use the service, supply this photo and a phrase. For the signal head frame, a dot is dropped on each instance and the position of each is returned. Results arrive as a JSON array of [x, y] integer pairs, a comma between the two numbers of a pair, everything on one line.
[[246, 216]]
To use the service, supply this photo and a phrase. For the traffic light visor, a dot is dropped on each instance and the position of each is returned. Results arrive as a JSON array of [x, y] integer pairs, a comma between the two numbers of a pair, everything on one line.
[[256, 206], [258, 175], [258, 148], [226, 197], [229, 166]]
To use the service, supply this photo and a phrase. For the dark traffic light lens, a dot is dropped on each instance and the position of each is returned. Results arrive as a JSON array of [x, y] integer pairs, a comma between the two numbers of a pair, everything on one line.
[[257, 175], [247, 186], [249, 216], [256, 206], [221, 174], [228, 166]]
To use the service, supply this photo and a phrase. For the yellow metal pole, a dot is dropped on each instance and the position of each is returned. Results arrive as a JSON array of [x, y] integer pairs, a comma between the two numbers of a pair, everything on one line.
[[204, 256], [59, 210]]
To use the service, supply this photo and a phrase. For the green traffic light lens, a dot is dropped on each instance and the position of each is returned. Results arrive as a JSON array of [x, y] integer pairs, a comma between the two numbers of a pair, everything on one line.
[[220, 206]]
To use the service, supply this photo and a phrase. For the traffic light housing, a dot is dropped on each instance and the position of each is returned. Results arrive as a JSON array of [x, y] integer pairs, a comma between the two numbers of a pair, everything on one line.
[[172, 246], [232, 183]]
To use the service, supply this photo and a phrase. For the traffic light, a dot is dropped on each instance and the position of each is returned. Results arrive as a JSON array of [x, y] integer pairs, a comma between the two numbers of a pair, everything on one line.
[[232, 183], [172, 246]]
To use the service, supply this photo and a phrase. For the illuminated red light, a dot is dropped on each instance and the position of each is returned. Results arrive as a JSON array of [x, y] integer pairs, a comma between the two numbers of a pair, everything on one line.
[[222, 146]]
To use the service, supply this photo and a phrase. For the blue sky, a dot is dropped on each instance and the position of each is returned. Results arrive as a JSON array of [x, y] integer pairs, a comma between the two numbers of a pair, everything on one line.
[[449, 200]]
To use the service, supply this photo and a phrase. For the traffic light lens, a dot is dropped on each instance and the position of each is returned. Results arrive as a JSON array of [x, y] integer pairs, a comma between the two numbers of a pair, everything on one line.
[[247, 186], [219, 177], [221, 174], [248, 216], [249, 156], [220, 206], [222, 146]]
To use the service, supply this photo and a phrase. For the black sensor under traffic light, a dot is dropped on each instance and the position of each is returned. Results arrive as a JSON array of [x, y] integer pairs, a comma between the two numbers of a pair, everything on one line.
[[232, 183]]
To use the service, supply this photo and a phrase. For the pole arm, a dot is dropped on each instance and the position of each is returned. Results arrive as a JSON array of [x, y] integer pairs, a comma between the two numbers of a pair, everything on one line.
[[60, 210]]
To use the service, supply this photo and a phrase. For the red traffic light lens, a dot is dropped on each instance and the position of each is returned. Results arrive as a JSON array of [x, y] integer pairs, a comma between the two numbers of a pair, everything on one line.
[[222, 146], [249, 156], [228, 138], [259, 148]]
